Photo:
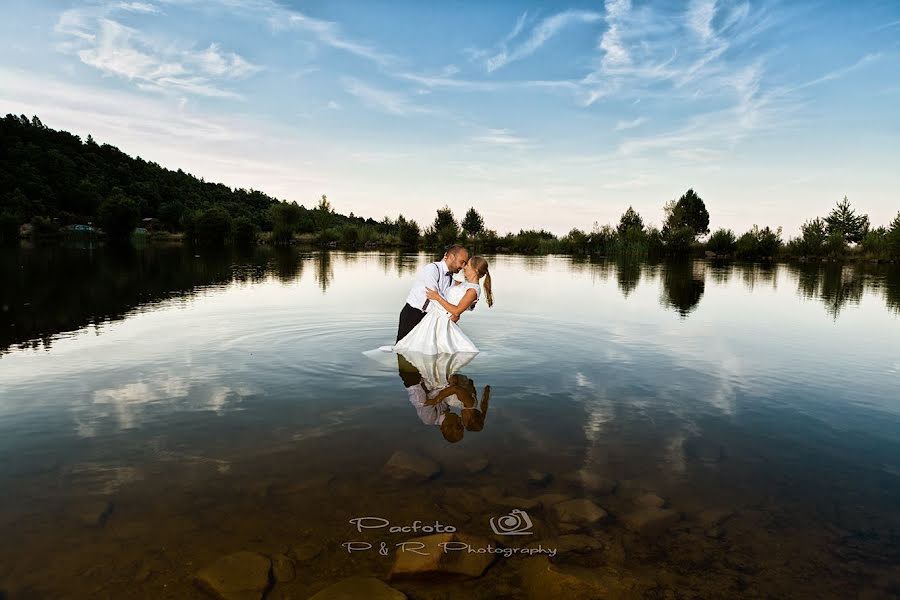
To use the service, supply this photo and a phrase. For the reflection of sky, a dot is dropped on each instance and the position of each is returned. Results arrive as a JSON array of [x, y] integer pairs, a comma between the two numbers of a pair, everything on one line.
[[232, 348]]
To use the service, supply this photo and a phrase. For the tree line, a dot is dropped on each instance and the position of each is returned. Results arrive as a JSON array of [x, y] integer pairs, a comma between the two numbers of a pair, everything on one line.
[[52, 179]]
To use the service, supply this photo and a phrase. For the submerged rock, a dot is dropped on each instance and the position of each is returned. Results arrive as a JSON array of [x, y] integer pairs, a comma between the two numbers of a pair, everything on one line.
[[579, 512], [538, 478], [93, 513], [411, 467], [542, 579], [704, 451], [548, 500], [304, 551], [651, 520], [516, 502], [359, 588], [592, 482], [478, 465], [239, 576], [437, 559], [570, 543], [649, 500], [283, 568]]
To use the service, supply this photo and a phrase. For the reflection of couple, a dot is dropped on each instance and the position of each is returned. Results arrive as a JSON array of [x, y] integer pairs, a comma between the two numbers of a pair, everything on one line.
[[431, 348], [433, 390], [436, 301]]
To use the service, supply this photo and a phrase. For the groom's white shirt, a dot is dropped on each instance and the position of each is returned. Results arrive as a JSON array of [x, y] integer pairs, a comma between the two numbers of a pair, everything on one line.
[[429, 414], [432, 275]]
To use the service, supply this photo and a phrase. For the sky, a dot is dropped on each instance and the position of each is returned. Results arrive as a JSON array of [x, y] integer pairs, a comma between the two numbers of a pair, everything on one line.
[[540, 115]]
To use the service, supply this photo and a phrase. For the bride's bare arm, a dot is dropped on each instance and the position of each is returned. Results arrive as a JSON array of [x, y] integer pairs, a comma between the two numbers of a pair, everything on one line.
[[453, 309]]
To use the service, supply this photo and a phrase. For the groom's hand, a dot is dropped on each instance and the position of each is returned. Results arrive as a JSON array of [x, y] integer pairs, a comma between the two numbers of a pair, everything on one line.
[[454, 318]]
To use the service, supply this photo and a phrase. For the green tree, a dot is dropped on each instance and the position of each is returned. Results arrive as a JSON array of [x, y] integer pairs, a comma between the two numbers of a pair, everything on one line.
[[445, 220], [324, 214], [9, 229], [118, 215], [349, 236], [686, 219], [722, 242], [213, 226], [759, 243], [473, 223], [407, 232], [847, 223], [245, 231], [893, 238], [813, 234], [446, 229], [576, 242], [629, 221]]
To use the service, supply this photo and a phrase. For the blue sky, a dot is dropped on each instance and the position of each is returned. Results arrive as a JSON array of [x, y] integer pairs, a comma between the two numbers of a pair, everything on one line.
[[540, 115]]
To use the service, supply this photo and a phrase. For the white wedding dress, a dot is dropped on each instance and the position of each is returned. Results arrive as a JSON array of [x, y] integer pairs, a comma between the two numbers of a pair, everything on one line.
[[436, 333]]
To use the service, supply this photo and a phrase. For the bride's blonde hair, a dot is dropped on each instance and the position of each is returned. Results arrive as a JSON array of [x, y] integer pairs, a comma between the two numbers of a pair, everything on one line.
[[481, 267]]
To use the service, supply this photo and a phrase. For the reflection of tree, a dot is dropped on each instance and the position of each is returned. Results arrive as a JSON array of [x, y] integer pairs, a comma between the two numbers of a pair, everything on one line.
[[324, 269], [892, 288], [534, 264], [407, 264], [245, 268], [720, 272], [628, 273], [101, 285], [758, 274], [386, 260], [834, 284], [809, 278], [682, 286], [288, 264], [841, 285]]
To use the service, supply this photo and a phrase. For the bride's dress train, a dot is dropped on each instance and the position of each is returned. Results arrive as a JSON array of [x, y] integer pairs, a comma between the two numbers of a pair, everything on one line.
[[436, 333]]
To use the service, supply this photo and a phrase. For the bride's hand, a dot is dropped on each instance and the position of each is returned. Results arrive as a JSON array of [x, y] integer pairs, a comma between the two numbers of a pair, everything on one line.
[[432, 294]]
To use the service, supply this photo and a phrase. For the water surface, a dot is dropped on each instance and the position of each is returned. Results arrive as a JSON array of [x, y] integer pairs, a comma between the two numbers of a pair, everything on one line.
[[160, 409]]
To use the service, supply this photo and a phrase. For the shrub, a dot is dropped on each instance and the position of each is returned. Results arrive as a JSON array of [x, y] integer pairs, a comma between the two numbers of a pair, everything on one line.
[[758, 243], [722, 242], [117, 216], [213, 226], [244, 231], [678, 240], [349, 236], [43, 227], [574, 242], [282, 233], [9, 229], [813, 234], [604, 240], [893, 239]]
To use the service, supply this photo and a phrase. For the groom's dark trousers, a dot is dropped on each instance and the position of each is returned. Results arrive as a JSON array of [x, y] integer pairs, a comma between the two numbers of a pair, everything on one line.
[[409, 318]]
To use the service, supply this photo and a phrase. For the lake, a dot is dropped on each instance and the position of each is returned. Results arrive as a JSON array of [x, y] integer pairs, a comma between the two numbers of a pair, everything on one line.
[[172, 420]]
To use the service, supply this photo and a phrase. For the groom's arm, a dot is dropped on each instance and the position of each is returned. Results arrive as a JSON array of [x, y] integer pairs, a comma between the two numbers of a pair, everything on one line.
[[454, 309]]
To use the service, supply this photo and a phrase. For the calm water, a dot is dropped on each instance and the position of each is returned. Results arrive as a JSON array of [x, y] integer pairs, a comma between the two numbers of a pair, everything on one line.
[[160, 410]]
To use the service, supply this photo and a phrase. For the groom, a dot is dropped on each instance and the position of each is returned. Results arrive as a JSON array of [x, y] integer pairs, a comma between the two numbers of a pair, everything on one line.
[[437, 275]]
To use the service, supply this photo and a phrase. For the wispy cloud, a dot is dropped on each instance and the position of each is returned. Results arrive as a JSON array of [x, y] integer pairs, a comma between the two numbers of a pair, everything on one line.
[[326, 32], [838, 73], [138, 7], [548, 28], [700, 16], [381, 99], [622, 125], [504, 138], [98, 40]]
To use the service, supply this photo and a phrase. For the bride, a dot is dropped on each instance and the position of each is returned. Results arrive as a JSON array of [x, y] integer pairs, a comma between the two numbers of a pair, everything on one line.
[[437, 333]]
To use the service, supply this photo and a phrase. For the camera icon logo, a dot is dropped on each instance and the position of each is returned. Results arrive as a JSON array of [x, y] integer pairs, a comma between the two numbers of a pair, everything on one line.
[[516, 522]]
